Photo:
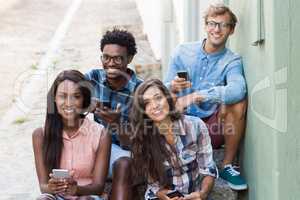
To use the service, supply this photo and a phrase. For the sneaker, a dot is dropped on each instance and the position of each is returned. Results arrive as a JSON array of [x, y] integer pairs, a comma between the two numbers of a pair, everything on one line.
[[233, 178]]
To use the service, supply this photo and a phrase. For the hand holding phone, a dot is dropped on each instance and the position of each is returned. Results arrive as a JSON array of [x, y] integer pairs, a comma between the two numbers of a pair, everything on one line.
[[183, 74], [174, 193], [171, 194], [180, 82], [108, 114]]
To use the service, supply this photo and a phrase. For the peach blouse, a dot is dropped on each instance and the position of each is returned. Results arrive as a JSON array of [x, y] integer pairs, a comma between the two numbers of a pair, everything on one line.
[[79, 151]]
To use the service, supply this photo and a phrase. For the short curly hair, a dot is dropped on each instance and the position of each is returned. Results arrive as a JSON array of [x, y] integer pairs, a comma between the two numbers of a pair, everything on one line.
[[120, 37]]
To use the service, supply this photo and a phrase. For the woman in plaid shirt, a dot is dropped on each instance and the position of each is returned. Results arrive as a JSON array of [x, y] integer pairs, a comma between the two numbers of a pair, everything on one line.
[[172, 151]]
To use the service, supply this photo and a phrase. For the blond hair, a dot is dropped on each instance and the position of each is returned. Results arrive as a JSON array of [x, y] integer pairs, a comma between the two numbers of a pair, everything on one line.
[[220, 9]]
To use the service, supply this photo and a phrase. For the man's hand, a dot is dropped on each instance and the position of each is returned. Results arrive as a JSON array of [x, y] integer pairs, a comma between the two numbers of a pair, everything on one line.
[[178, 84], [185, 101], [196, 196], [107, 114]]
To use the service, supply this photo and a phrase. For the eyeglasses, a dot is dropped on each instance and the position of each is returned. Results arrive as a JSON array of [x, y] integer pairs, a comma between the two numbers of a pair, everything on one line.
[[116, 59], [221, 25]]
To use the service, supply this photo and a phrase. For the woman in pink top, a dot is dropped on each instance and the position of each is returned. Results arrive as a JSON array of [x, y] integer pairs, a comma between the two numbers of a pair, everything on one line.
[[71, 141]]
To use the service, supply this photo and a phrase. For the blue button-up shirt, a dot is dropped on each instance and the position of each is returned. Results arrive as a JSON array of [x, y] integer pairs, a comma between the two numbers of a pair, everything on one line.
[[104, 93], [217, 76]]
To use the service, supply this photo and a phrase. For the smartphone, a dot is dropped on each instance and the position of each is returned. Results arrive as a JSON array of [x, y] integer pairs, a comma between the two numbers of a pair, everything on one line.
[[174, 193], [105, 104], [60, 173], [153, 198], [101, 104], [171, 194], [183, 74]]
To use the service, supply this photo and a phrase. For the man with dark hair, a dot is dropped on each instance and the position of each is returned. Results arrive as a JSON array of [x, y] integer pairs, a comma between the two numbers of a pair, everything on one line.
[[216, 88], [113, 89]]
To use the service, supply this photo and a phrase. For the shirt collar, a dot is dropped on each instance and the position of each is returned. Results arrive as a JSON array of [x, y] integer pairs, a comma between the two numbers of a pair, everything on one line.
[[131, 84], [178, 127], [133, 81], [203, 54], [80, 131]]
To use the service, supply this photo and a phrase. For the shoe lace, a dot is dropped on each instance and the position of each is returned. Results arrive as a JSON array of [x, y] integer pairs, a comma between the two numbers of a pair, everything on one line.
[[232, 171]]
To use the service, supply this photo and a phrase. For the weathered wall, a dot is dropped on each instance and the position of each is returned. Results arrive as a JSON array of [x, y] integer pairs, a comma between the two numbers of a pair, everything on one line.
[[271, 151]]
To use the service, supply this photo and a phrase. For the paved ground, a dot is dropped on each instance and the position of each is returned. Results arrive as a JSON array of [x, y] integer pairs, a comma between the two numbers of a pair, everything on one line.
[[37, 40]]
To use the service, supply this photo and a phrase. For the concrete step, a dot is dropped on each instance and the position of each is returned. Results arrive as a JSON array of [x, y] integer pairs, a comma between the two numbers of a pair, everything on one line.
[[218, 155], [222, 191]]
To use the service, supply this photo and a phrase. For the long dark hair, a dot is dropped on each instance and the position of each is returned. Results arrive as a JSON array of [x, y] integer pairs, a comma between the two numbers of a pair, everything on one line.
[[52, 140], [149, 150]]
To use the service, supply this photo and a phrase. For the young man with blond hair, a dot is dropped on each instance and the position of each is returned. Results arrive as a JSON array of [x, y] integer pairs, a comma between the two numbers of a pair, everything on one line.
[[216, 88]]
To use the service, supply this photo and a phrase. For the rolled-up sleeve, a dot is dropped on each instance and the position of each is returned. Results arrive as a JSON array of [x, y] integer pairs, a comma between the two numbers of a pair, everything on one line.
[[234, 89], [174, 66]]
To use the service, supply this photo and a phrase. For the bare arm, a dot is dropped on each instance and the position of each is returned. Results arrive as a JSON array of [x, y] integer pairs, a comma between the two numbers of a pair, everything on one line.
[[47, 184], [206, 186], [37, 141]]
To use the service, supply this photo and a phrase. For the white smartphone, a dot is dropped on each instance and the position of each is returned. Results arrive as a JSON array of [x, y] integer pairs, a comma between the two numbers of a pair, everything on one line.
[[60, 173]]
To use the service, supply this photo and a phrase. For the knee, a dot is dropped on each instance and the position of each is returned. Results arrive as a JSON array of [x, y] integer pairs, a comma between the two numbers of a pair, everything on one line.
[[236, 111], [122, 165]]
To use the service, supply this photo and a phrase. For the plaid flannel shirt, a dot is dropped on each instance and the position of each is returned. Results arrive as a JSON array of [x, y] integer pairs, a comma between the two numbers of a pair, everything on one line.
[[104, 93], [194, 157]]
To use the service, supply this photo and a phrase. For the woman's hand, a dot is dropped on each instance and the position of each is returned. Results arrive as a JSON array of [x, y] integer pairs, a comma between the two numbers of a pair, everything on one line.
[[199, 195], [72, 188], [162, 195], [71, 185], [57, 186]]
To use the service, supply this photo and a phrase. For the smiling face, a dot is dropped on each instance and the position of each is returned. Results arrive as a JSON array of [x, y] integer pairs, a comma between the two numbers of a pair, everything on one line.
[[115, 60], [156, 104], [218, 29], [69, 100]]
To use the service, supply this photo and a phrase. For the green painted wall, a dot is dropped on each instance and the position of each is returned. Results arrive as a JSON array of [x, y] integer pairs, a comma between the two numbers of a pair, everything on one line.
[[271, 151]]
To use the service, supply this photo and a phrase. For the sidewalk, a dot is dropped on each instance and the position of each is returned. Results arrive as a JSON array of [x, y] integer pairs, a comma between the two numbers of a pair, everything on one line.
[[29, 65]]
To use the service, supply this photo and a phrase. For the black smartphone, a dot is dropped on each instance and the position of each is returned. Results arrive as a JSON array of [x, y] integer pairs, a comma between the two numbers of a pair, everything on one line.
[[102, 104], [106, 104], [174, 193], [183, 74]]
